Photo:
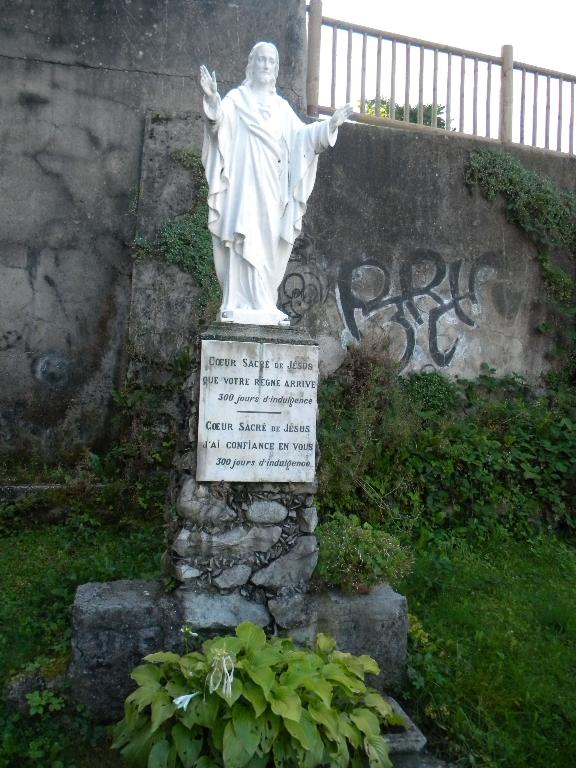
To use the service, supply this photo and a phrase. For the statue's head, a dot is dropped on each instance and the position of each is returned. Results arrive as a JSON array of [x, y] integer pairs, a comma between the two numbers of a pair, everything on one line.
[[263, 65]]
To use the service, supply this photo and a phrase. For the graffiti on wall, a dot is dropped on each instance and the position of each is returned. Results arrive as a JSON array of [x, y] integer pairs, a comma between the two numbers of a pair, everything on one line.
[[365, 287]]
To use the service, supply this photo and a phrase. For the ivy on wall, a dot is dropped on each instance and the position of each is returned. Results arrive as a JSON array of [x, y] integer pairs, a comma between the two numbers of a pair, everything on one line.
[[536, 205], [185, 240]]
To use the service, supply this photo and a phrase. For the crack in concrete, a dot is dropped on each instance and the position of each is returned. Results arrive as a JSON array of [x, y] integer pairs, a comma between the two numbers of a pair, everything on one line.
[[98, 68]]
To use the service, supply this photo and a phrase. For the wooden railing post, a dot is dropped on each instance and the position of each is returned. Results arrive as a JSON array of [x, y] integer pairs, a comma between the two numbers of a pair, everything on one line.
[[313, 70], [506, 94]]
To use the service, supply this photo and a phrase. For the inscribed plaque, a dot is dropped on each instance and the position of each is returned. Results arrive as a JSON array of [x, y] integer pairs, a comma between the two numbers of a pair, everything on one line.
[[257, 412]]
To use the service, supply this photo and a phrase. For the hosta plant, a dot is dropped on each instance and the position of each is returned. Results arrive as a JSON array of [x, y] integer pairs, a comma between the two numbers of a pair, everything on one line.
[[249, 702]]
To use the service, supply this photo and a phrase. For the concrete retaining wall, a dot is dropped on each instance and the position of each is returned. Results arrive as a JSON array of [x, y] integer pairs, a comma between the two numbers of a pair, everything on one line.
[[395, 250], [396, 253], [76, 80]]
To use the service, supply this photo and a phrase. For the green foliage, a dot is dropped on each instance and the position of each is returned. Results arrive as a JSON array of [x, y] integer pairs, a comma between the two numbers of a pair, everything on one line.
[[356, 556], [249, 701], [185, 241], [44, 701], [536, 205], [385, 110], [41, 566], [54, 739], [427, 452], [492, 650]]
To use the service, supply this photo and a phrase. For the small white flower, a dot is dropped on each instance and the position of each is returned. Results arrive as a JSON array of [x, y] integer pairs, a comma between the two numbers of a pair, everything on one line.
[[222, 673], [182, 702]]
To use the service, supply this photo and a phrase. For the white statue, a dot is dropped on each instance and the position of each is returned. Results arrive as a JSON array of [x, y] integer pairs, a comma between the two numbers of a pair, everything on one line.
[[260, 162]]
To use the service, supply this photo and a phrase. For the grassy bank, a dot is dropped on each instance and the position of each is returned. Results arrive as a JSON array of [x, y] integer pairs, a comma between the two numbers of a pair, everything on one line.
[[475, 479]]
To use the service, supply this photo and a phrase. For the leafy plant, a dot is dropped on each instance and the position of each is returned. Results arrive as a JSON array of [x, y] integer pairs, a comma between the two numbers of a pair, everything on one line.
[[385, 110], [547, 215], [355, 556], [249, 701], [44, 701], [185, 240]]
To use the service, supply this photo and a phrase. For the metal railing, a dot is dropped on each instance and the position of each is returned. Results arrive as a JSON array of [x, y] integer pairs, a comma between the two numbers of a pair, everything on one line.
[[397, 79]]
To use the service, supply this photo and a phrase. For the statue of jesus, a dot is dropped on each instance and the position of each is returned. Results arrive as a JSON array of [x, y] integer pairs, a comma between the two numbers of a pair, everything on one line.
[[260, 161]]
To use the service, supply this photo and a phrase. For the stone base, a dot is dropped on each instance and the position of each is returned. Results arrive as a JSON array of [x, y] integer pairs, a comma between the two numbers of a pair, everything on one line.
[[254, 317], [117, 623]]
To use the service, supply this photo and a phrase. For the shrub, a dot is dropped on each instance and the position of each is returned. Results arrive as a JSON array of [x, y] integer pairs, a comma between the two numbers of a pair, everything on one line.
[[249, 701], [354, 556]]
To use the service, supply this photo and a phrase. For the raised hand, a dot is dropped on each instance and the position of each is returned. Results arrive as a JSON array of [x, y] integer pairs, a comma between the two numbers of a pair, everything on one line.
[[208, 83], [340, 115]]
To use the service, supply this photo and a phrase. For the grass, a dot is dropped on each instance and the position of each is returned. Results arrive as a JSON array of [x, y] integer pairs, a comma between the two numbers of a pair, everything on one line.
[[494, 650], [40, 568], [493, 634]]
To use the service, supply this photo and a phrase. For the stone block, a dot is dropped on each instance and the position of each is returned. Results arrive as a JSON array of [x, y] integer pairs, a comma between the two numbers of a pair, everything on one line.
[[237, 541], [266, 512], [233, 577], [375, 624], [195, 504], [115, 624], [220, 612], [295, 567], [308, 520], [291, 611]]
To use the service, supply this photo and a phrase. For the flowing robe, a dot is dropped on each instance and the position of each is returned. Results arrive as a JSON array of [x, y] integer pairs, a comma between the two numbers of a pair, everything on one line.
[[260, 167]]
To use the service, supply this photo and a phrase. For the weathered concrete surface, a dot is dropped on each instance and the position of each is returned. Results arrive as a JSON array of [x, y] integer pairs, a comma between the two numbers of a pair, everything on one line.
[[115, 624], [413, 261], [375, 624], [76, 80]]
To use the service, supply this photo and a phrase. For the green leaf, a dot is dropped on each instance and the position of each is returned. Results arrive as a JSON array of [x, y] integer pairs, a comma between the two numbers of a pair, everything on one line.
[[366, 721], [338, 675], [255, 696], [158, 757], [257, 762], [376, 748], [162, 709], [138, 748], [237, 689], [217, 734], [233, 752], [163, 657], [246, 728], [267, 656], [187, 747], [358, 665], [142, 696], [306, 733], [327, 717], [320, 688], [202, 711], [252, 636], [147, 675], [285, 703], [270, 728], [206, 762], [262, 676], [301, 671], [325, 644], [283, 752], [373, 700], [369, 664], [349, 731]]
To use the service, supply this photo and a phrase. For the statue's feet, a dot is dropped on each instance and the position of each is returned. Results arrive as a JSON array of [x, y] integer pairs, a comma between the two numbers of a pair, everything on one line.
[[254, 316]]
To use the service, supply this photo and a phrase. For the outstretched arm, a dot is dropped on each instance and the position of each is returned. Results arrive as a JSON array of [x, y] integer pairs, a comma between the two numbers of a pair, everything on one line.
[[340, 115], [211, 97]]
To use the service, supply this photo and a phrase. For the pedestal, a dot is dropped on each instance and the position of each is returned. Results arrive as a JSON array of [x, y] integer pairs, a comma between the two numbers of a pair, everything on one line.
[[242, 527]]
